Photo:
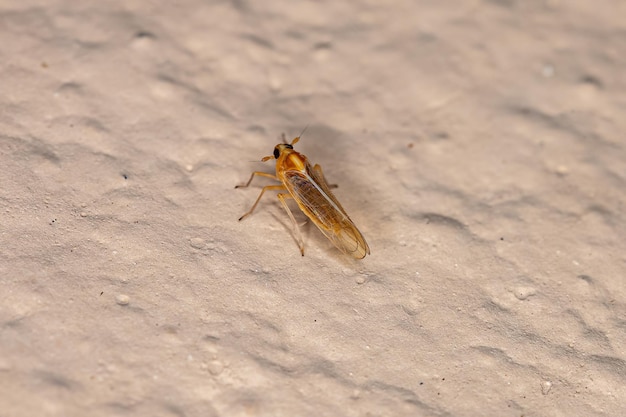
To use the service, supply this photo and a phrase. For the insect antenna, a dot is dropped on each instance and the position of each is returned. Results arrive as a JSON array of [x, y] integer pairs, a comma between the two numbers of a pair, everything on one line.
[[297, 138]]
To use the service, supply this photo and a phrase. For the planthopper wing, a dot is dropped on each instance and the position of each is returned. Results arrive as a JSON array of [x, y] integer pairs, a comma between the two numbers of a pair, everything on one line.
[[313, 195]]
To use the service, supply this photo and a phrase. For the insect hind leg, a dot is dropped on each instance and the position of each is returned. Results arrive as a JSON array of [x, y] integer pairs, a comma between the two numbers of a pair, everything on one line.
[[318, 170], [266, 188], [296, 229]]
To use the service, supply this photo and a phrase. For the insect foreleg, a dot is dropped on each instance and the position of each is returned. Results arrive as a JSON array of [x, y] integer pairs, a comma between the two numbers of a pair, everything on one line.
[[282, 197], [266, 188], [260, 174]]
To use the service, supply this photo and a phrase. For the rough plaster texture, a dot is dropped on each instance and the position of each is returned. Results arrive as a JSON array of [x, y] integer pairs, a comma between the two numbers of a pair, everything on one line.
[[478, 145]]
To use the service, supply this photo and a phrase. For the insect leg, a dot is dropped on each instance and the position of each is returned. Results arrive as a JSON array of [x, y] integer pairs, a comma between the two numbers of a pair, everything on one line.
[[266, 188], [318, 169], [282, 197], [260, 174]]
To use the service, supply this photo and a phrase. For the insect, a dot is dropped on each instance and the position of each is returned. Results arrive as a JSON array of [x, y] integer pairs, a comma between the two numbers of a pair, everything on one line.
[[308, 187]]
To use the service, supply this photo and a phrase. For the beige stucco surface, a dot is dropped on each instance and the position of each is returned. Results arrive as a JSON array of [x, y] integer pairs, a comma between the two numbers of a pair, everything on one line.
[[478, 145]]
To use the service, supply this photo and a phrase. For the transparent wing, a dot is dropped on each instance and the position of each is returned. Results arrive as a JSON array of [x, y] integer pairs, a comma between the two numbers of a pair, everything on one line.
[[315, 199]]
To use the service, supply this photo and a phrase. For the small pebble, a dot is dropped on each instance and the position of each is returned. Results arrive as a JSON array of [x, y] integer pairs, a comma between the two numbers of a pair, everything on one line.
[[562, 170], [522, 293], [275, 83], [547, 71], [197, 243], [122, 299], [216, 367]]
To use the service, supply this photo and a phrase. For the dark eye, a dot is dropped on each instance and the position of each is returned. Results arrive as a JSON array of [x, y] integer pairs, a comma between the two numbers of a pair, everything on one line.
[[276, 153]]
